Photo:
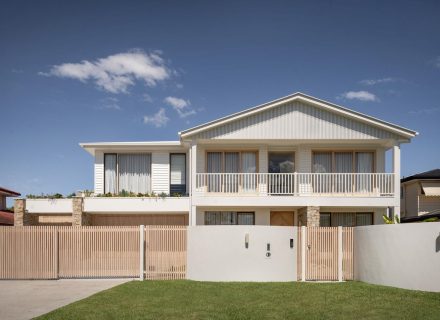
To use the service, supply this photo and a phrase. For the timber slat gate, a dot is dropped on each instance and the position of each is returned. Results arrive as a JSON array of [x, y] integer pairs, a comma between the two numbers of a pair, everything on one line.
[[325, 253], [39, 252]]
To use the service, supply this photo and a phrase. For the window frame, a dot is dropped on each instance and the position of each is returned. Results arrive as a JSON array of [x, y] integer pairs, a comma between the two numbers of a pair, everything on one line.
[[237, 213], [355, 217], [117, 168], [185, 170], [352, 151]]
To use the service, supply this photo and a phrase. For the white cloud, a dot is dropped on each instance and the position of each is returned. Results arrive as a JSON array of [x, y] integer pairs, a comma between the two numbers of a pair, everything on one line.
[[372, 82], [182, 107], [158, 120], [360, 95], [116, 73]]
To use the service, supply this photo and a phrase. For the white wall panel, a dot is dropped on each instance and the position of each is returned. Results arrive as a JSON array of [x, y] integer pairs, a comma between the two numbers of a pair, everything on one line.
[[99, 172]]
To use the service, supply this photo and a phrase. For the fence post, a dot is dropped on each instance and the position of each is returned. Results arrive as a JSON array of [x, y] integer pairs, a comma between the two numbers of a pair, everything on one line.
[[340, 255], [141, 251], [303, 253]]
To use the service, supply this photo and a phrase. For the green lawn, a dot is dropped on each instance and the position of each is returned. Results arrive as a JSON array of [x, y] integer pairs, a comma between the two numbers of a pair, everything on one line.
[[207, 300]]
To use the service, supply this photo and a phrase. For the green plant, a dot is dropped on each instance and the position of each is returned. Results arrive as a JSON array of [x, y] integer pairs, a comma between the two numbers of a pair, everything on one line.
[[163, 195], [388, 220], [433, 219]]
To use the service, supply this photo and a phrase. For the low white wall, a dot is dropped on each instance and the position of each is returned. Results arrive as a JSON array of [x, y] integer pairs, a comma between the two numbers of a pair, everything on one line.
[[404, 256], [49, 206], [218, 253], [136, 205]]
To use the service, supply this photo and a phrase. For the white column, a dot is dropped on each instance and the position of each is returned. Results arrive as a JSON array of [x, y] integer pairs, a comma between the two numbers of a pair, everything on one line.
[[340, 256], [193, 180], [396, 171], [303, 253], [141, 252]]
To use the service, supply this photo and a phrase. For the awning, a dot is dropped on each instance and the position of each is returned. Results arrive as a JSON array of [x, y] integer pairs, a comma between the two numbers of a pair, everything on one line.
[[431, 189]]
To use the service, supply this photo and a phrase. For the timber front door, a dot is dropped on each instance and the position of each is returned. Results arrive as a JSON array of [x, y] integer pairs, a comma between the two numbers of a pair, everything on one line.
[[281, 218]]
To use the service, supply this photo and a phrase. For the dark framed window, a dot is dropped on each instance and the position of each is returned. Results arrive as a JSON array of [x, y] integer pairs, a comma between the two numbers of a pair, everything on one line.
[[177, 173], [345, 219], [229, 218]]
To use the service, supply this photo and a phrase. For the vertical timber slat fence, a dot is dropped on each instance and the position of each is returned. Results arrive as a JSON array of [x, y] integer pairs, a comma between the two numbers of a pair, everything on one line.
[[41, 252]]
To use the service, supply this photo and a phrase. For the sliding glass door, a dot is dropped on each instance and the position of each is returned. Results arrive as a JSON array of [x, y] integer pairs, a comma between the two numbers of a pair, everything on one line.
[[231, 171], [127, 173], [347, 163], [281, 163]]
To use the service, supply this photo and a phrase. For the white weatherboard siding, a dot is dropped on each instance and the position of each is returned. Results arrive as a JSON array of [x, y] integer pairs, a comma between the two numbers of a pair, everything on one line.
[[218, 253], [380, 160], [429, 204], [160, 172], [99, 172], [296, 120], [389, 255], [304, 159]]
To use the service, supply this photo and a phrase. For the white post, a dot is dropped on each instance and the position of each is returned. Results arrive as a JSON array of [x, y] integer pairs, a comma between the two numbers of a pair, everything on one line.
[[396, 171], [193, 182], [303, 253], [340, 256], [141, 252]]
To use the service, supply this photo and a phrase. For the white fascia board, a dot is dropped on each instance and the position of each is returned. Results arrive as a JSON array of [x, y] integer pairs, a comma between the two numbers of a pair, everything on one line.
[[91, 147], [309, 99]]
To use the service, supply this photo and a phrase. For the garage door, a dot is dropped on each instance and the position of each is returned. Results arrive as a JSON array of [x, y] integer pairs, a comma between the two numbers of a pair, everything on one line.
[[139, 219]]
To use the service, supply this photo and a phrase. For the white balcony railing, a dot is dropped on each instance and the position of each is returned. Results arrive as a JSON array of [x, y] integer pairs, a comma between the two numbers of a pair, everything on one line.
[[296, 184]]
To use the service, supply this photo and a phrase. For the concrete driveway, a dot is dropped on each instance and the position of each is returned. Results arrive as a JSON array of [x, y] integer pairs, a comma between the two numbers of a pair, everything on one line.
[[25, 299]]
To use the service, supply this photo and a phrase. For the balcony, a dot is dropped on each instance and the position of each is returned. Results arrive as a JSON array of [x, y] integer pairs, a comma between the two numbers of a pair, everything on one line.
[[296, 184]]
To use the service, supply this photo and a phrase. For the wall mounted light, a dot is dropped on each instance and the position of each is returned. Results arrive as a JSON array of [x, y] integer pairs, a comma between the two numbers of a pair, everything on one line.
[[246, 240]]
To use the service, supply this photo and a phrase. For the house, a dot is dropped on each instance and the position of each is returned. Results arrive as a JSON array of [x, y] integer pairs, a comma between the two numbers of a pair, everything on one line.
[[297, 160], [6, 216], [420, 196]]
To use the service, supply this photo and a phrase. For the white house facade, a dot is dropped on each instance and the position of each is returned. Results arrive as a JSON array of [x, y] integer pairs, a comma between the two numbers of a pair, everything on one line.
[[297, 161]]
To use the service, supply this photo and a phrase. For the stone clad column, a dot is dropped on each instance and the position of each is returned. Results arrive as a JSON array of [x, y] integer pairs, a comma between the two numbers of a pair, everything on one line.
[[19, 212], [309, 216], [79, 218]]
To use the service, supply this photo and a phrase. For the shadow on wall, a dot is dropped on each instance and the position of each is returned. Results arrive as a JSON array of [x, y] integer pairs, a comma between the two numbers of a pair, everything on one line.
[[437, 243]]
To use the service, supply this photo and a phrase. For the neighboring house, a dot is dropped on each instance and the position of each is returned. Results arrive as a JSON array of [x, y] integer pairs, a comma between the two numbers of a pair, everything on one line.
[[420, 196], [6, 216], [297, 160]]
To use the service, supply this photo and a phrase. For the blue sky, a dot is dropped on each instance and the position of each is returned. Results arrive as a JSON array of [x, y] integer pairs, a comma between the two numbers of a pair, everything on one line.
[[130, 71]]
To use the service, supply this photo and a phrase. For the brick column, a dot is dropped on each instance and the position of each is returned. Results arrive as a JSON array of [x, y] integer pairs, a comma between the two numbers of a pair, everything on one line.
[[309, 216], [79, 218], [21, 218], [19, 212]]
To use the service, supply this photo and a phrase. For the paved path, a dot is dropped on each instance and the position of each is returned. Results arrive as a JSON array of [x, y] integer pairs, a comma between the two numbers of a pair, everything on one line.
[[25, 299]]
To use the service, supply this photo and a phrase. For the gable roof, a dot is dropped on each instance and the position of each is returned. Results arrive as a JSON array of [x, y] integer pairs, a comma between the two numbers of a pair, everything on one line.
[[427, 175], [401, 131]]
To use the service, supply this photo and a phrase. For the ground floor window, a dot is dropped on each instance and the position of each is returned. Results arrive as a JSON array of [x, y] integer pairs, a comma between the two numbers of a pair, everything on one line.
[[345, 219], [229, 218]]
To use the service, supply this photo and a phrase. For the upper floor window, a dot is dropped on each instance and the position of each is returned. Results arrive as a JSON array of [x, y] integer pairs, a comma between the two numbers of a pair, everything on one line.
[[281, 162], [177, 173], [127, 173], [232, 162], [343, 162]]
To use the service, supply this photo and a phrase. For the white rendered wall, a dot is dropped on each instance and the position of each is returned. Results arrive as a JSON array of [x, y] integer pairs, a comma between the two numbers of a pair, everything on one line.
[[218, 253], [401, 255]]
